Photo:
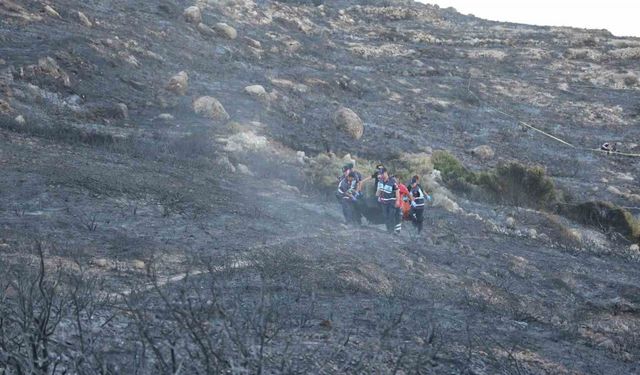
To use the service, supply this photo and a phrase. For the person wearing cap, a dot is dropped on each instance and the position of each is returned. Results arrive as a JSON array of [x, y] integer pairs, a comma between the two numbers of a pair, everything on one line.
[[347, 195], [389, 199], [375, 177], [346, 170], [418, 199]]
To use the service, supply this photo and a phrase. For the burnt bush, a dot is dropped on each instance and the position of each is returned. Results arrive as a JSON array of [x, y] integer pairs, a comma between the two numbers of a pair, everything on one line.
[[605, 216]]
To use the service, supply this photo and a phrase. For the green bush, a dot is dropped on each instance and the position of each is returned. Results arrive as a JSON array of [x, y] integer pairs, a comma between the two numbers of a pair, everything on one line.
[[452, 171]]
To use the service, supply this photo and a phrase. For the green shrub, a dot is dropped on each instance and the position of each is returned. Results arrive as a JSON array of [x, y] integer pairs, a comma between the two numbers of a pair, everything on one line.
[[452, 171]]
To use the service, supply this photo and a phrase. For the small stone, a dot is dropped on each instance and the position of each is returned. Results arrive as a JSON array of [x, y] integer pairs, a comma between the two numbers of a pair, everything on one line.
[[101, 262], [225, 30], [193, 15], [253, 43], [511, 223], [84, 19], [256, 91], [533, 233], [205, 30], [124, 111], [225, 164], [20, 120], [634, 248], [607, 344], [52, 12], [165, 117], [244, 169], [179, 83], [139, 265]]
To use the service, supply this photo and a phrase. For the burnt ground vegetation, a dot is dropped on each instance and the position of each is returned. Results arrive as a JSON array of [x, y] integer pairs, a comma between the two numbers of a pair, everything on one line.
[[166, 200]]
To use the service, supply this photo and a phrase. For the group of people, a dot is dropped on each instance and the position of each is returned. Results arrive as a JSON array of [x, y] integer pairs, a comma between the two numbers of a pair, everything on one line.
[[397, 201]]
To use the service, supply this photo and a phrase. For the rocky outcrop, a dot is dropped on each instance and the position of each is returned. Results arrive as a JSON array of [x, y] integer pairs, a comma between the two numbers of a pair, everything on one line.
[[483, 152]]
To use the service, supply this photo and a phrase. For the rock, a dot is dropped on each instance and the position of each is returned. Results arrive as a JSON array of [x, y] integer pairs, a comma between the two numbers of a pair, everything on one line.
[[634, 248], [5, 107], [165, 117], [210, 107], [124, 111], [20, 120], [49, 66], [179, 83], [348, 121], [225, 30], [483, 152], [607, 344], [253, 43], [256, 91], [511, 223], [290, 85], [244, 169], [101, 262], [139, 265], [84, 19], [193, 15], [52, 12], [301, 158], [225, 164], [533, 233], [205, 30], [417, 63]]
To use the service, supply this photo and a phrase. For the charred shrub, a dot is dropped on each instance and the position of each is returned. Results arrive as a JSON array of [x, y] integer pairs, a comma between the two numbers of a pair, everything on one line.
[[607, 217], [519, 185]]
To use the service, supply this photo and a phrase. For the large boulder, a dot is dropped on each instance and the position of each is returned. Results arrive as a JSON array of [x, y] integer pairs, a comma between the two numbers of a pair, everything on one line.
[[179, 83], [193, 15], [225, 30], [349, 122], [210, 107]]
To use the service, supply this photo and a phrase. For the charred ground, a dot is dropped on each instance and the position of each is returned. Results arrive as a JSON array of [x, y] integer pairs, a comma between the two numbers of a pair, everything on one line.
[[138, 236]]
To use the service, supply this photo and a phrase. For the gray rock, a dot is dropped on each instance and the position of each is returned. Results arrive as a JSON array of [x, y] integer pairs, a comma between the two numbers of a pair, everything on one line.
[[52, 12], [210, 107], [206, 30], [20, 120], [225, 30], [84, 19], [257, 91], [179, 83], [193, 15], [511, 223]]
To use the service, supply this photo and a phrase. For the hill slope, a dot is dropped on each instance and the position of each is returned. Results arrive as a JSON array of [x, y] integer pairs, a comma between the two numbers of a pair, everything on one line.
[[178, 233]]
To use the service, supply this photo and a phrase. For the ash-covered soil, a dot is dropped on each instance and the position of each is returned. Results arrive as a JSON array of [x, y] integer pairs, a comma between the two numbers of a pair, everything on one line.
[[146, 229]]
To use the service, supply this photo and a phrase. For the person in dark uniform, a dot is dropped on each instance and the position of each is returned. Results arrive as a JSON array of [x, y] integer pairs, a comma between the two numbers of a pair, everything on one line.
[[346, 194], [418, 199], [389, 199]]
